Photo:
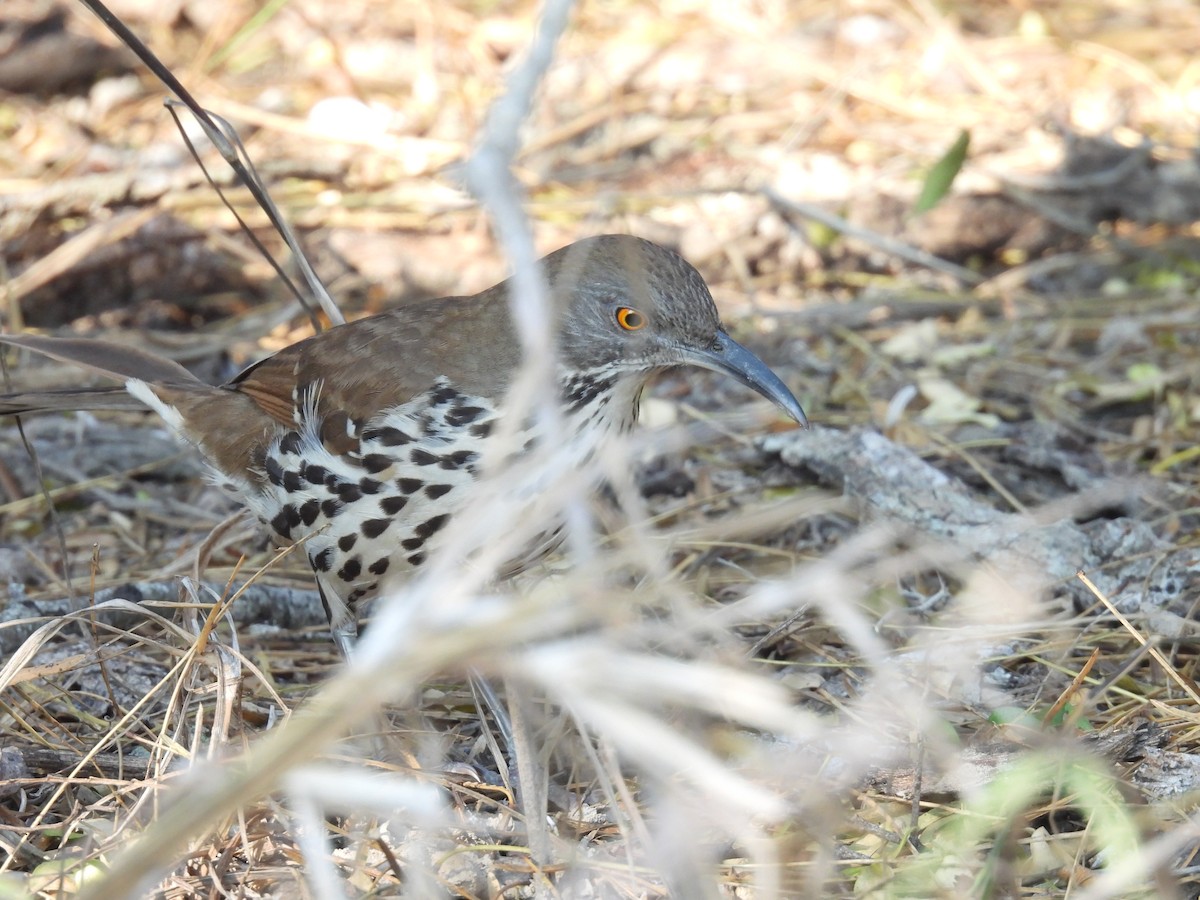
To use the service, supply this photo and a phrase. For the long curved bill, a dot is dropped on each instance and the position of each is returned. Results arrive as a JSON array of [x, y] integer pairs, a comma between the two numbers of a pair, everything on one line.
[[733, 359]]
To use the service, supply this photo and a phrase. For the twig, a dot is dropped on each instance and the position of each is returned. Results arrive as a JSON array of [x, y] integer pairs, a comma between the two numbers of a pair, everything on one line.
[[490, 178], [282, 607], [873, 238], [222, 136], [1188, 686]]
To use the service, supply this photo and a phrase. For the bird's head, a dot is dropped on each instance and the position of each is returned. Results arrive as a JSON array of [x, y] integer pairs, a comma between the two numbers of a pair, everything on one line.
[[631, 307]]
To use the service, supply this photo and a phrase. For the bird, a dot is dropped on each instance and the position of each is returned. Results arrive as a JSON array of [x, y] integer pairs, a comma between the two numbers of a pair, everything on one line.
[[366, 439]]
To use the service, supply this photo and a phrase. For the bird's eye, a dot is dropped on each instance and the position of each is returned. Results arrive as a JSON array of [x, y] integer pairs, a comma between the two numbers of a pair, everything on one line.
[[630, 319]]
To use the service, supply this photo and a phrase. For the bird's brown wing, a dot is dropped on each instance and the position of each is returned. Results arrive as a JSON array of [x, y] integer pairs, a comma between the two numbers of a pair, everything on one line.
[[373, 364]]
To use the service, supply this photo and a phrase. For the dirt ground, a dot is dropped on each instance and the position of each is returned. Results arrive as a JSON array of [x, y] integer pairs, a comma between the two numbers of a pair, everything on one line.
[[943, 644]]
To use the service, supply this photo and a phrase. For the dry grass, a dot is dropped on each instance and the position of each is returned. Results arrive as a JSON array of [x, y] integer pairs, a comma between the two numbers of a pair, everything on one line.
[[834, 665]]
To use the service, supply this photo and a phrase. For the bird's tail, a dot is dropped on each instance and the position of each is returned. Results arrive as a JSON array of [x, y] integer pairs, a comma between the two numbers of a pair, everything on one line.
[[33, 402], [117, 361]]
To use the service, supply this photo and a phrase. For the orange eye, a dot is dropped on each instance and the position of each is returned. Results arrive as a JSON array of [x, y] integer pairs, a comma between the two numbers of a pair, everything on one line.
[[630, 319]]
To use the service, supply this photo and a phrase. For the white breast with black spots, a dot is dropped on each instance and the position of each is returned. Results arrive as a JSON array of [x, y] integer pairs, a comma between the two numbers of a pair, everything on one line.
[[598, 407], [379, 507]]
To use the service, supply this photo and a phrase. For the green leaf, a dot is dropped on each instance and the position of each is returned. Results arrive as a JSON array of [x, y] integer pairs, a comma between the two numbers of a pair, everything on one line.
[[1145, 373], [1014, 715], [942, 175]]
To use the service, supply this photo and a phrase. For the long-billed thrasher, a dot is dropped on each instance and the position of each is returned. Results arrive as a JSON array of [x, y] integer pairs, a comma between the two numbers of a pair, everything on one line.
[[365, 439]]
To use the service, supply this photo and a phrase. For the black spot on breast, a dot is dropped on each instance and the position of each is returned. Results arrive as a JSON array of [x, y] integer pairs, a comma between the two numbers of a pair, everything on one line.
[[392, 505], [314, 474], [424, 457], [347, 541], [376, 462], [331, 507], [442, 396], [413, 543], [437, 490], [309, 510], [481, 429], [458, 459], [416, 559], [290, 443], [431, 526], [388, 436], [370, 485], [291, 481], [373, 528], [323, 560], [379, 566], [274, 470], [356, 595], [282, 522], [349, 492], [463, 415], [409, 485], [351, 570]]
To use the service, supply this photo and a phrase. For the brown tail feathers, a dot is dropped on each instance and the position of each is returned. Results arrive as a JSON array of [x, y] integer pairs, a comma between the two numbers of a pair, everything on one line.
[[21, 404], [118, 361]]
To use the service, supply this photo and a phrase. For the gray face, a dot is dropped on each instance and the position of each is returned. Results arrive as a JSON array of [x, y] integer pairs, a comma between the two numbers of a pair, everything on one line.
[[633, 307]]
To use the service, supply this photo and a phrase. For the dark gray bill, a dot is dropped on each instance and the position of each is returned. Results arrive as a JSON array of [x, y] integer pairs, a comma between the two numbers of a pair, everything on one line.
[[732, 358]]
